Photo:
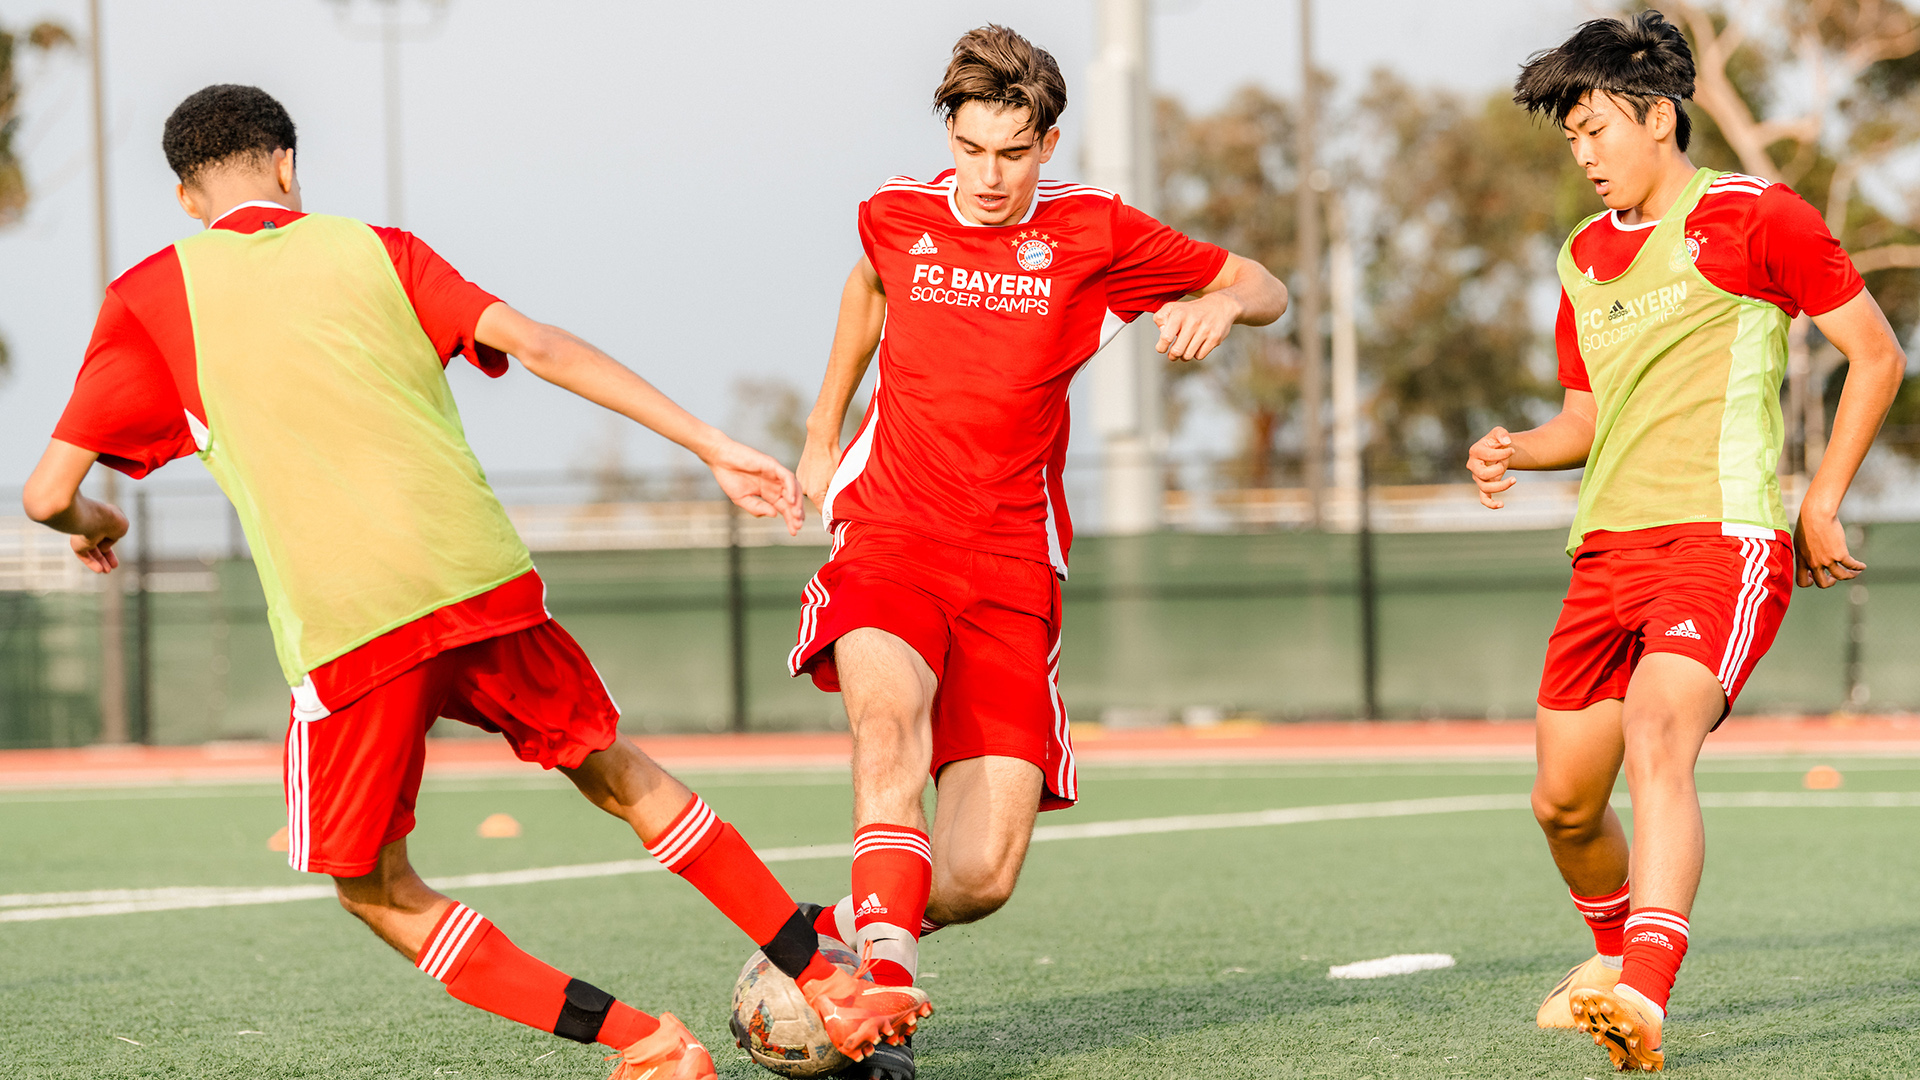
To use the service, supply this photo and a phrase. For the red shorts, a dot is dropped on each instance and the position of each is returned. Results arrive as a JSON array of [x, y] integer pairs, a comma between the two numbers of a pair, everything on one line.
[[988, 626], [1717, 599], [352, 776]]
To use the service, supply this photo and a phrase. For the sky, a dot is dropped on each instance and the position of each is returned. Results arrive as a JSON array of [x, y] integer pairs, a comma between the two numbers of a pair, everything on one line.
[[677, 183]]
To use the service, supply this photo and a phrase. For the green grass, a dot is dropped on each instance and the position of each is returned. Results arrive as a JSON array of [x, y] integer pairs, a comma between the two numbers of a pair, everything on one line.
[[1198, 954]]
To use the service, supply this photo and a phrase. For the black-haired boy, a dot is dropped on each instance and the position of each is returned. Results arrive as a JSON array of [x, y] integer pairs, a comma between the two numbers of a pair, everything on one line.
[[302, 357], [1672, 341]]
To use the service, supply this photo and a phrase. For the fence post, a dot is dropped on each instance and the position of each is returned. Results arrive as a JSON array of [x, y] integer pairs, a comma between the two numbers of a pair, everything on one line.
[[142, 623], [1857, 689], [736, 618], [1369, 599]]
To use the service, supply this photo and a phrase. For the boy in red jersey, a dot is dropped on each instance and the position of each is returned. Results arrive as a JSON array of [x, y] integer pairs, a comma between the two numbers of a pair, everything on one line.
[[938, 613], [302, 357], [1672, 340]]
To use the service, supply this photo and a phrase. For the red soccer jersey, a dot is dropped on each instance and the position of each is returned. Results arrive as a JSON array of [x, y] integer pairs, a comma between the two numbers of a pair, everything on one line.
[[986, 327], [137, 404], [1748, 236]]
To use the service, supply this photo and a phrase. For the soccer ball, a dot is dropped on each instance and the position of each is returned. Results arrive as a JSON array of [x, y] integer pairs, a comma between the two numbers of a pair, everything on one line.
[[773, 1023]]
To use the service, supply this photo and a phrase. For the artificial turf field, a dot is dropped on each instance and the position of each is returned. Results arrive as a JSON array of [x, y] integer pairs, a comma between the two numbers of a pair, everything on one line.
[[1175, 954]]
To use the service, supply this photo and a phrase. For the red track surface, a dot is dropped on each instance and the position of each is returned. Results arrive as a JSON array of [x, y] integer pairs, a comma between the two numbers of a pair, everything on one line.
[[1435, 740]]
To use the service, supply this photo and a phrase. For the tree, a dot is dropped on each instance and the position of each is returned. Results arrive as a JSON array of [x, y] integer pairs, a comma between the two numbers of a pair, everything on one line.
[[42, 37], [1821, 95], [1229, 178], [1471, 202]]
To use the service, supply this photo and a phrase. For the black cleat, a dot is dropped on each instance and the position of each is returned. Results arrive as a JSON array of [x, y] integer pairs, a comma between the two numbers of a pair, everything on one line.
[[887, 1062], [810, 912]]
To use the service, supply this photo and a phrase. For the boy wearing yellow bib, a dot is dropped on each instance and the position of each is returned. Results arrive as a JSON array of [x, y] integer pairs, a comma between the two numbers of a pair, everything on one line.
[[302, 357], [1673, 344]]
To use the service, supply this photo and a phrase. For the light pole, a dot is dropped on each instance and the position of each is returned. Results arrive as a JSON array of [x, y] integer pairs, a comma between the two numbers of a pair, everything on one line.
[[390, 28], [1127, 372], [113, 656]]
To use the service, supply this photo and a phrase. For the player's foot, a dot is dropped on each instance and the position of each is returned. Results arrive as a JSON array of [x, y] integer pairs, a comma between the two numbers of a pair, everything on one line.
[[670, 1053], [1590, 974], [887, 1062], [859, 1014], [1620, 1022]]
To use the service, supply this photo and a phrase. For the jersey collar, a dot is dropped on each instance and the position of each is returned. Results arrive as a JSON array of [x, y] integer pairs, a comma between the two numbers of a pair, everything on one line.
[[953, 204], [253, 222]]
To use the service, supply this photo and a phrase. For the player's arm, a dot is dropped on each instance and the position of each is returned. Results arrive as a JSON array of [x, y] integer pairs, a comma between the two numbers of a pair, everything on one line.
[[52, 498], [758, 484], [1875, 367], [1560, 443], [863, 311], [1244, 292]]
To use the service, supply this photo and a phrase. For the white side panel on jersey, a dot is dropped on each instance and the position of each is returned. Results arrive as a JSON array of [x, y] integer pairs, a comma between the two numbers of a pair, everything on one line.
[[1054, 554], [855, 461]]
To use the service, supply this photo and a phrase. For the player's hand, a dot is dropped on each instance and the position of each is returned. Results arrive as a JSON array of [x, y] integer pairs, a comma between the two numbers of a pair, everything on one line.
[[1487, 461], [1820, 554], [817, 462], [1190, 329], [95, 548], [757, 484]]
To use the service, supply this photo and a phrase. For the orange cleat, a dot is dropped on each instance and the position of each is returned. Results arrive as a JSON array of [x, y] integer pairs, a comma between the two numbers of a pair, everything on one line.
[[1590, 974], [1618, 1021], [670, 1053], [858, 1014]]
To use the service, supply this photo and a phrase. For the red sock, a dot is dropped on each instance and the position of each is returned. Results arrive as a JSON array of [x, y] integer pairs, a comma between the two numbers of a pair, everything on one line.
[[1605, 916], [484, 969], [837, 921], [892, 877], [1656, 943], [713, 858]]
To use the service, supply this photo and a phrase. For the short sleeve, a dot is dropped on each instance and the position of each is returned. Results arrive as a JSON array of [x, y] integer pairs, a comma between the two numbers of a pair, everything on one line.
[[1792, 254], [1154, 264], [125, 406], [1566, 341], [867, 241], [447, 305]]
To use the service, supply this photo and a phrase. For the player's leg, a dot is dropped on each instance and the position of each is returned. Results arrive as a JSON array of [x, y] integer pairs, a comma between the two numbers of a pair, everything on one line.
[[982, 825], [352, 779], [1716, 603], [538, 689], [1578, 747], [480, 966], [1578, 754], [889, 690]]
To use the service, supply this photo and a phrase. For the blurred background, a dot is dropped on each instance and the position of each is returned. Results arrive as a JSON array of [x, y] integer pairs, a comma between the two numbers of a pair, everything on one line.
[[1279, 532]]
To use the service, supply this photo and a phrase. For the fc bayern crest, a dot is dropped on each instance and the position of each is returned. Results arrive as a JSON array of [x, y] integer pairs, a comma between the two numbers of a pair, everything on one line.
[[1033, 252]]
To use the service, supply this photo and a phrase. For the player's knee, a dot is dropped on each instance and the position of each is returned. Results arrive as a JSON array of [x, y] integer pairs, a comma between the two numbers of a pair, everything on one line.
[[1566, 817], [975, 892]]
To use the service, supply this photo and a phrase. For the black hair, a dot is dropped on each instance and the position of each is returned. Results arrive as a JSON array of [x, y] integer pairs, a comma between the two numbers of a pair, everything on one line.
[[225, 125], [1639, 62]]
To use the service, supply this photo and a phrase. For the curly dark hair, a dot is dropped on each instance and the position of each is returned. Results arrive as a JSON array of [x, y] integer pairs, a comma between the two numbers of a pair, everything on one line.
[[225, 125], [1638, 62], [997, 66]]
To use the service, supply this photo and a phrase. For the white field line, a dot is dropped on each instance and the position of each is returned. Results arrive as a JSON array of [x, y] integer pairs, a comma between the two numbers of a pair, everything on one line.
[[36, 907]]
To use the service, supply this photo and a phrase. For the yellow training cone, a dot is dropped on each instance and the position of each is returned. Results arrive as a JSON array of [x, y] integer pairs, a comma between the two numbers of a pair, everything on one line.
[[499, 827]]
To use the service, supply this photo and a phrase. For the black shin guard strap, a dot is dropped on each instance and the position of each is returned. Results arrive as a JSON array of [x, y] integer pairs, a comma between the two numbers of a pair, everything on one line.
[[584, 1012], [792, 949]]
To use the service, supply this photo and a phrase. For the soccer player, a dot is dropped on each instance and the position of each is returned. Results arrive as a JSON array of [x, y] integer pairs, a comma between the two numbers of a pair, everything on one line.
[[1672, 341], [937, 615], [302, 357]]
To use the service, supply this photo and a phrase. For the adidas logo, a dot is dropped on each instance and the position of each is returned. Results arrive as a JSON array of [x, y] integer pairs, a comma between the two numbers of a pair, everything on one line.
[[1617, 312], [1684, 629], [923, 246], [871, 906]]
